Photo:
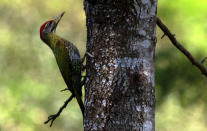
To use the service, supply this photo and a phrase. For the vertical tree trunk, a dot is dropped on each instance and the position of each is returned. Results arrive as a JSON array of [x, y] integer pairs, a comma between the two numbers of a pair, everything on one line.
[[120, 92]]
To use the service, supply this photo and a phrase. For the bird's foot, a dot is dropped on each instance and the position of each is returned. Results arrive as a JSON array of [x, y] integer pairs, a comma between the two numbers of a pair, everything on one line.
[[88, 54]]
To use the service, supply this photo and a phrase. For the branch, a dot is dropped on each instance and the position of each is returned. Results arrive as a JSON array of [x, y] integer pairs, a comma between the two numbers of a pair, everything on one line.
[[180, 47], [53, 117]]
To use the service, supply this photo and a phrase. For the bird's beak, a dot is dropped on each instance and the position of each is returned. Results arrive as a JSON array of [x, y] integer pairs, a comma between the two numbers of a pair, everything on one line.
[[58, 18]]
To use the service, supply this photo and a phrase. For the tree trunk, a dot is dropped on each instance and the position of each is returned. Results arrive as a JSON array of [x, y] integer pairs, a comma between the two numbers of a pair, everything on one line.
[[120, 88]]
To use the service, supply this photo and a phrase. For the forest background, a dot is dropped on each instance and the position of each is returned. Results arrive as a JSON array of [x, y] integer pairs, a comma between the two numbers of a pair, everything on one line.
[[30, 80]]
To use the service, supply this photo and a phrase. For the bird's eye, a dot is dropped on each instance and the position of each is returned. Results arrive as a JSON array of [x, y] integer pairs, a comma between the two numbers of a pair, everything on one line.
[[48, 24]]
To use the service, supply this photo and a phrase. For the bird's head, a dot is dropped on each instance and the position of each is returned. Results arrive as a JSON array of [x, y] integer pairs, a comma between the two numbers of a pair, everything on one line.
[[50, 26]]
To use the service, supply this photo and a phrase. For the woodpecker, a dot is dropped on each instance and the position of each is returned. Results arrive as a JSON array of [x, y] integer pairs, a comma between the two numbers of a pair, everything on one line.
[[67, 57]]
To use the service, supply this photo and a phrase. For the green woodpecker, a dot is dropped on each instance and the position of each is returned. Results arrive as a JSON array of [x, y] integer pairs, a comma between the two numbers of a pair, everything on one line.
[[67, 57]]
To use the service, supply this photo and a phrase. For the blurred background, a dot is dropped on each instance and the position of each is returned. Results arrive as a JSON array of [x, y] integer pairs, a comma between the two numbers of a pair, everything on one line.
[[30, 80]]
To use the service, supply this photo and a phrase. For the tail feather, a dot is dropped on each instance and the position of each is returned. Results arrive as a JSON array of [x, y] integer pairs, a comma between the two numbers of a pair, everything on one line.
[[79, 100]]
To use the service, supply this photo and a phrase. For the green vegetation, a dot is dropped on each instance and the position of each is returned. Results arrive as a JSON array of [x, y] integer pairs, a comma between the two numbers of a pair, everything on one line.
[[30, 80]]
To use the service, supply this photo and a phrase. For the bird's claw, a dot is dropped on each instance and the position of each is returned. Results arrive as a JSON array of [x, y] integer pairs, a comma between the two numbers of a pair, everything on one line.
[[89, 54]]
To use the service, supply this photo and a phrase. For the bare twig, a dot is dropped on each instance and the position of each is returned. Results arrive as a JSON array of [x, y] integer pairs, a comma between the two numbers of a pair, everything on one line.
[[53, 117], [64, 89], [180, 47], [163, 36], [204, 59]]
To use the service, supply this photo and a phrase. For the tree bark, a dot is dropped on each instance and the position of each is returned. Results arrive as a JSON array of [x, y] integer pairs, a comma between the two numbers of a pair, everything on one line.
[[120, 88]]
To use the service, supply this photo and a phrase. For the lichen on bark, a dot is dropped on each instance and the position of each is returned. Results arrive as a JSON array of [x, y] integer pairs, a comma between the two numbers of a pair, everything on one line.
[[120, 92]]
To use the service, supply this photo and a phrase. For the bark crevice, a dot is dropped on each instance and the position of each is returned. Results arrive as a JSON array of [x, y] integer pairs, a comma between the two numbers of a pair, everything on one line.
[[119, 90]]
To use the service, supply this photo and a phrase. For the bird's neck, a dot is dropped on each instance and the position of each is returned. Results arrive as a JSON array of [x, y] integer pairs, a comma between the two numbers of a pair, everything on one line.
[[51, 39]]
